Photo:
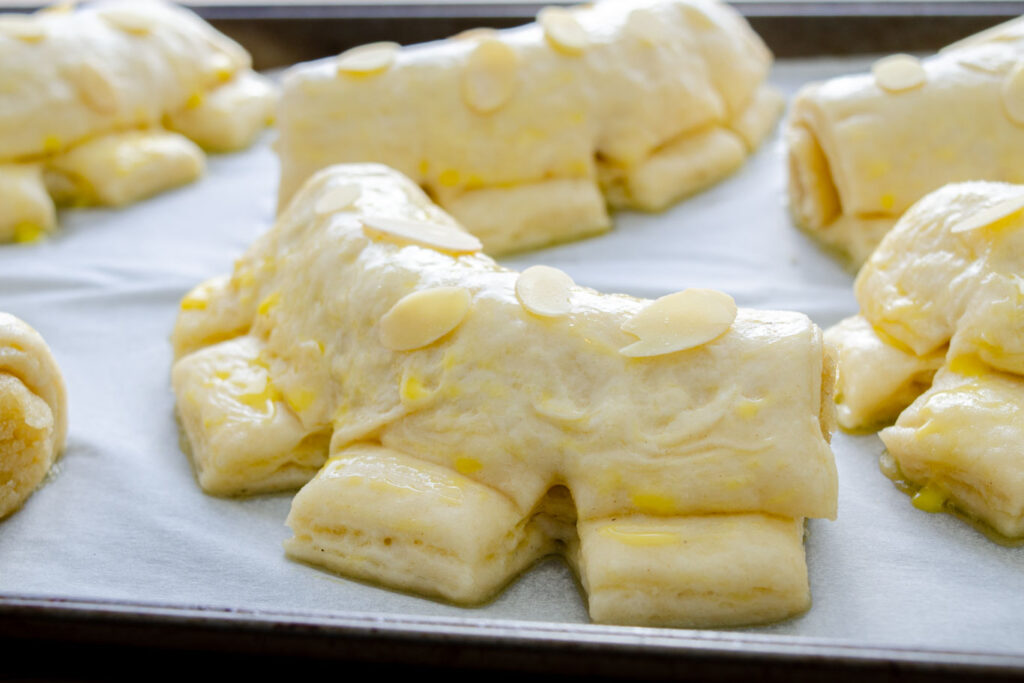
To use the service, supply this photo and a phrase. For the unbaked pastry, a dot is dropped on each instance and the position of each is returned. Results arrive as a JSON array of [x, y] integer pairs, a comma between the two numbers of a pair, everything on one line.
[[474, 419], [944, 292], [33, 412], [110, 103], [863, 148], [525, 135]]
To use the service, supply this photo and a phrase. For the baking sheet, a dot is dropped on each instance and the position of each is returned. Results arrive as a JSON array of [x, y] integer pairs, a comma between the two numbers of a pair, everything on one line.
[[121, 518]]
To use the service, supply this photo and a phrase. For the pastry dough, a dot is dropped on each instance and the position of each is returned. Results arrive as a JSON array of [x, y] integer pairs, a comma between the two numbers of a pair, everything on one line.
[[33, 412], [523, 139], [473, 419], [944, 291], [863, 148], [106, 105]]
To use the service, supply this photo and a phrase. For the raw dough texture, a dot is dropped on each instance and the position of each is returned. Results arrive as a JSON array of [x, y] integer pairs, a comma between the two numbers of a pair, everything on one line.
[[864, 148], [525, 135], [463, 420], [944, 292], [111, 103], [33, 412]]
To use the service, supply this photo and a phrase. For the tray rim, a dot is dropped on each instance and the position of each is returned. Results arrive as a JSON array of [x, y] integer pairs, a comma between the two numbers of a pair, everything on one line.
[[79, 619]]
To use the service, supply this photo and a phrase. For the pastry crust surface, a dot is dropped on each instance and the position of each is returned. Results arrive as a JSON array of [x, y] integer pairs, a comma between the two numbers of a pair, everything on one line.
[[106, 104], [943, 291], [864, 148], [33, 412], [563, 135], [473, 419]]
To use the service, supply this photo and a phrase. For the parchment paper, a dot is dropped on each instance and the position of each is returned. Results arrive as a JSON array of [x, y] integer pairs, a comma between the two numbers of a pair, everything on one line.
[[123, 519]]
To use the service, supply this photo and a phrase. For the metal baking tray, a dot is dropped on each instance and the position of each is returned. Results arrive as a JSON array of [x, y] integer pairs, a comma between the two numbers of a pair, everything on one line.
[[180, 578]]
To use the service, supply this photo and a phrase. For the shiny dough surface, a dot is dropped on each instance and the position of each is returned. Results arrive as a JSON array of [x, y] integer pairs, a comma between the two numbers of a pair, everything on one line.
[[943, 292], [112, 102], [497, 434], [524, 138], [863, 148]]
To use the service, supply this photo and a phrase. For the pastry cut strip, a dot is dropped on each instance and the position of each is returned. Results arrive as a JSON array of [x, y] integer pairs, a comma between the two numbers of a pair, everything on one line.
[[87, 96], [478, 417], [962, 442], [943, 291], [864, 148], [524, 141], [694, 571], [33, 412]]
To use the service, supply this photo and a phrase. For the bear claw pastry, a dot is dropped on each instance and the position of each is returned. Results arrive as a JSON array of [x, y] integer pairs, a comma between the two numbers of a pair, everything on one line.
[[111, 103], [939, 346], [33, 412], [463, 420], [864, 148], [525, 135]]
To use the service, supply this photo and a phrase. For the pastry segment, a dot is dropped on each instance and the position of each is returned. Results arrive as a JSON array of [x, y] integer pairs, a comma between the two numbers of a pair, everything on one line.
[[943, 291], [962, 441], [694, 571], [526, 135], [106, 105], [864, 148], [479, 418], [33, 412]]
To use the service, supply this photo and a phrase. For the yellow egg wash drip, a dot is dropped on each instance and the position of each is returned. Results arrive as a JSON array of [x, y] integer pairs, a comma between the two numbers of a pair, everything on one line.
[[639, 536]]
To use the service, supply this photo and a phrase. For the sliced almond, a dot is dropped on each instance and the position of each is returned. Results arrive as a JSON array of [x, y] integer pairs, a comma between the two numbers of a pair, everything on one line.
[[128, 19], [645, 25], [679, 321], [490, 76], [95, 88], [562, 31], [22, 27], [433, 235], [898, 73], [476, 34], [545, 291], [423, 317], [220, 68], [338, 198], [990, 215], [1013, 94], [368, 59]]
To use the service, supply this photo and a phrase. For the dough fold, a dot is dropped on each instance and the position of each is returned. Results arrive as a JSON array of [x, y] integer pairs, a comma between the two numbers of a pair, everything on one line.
[[516, 120], [943, 291], [33, 412], [469, 422], [87, 96], [863, 148]]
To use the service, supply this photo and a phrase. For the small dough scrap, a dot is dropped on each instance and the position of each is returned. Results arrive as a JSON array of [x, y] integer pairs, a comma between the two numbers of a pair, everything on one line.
[[864, 148], [33, 412], [944, 291], [88, 93], [526, 135], [469, 436]]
